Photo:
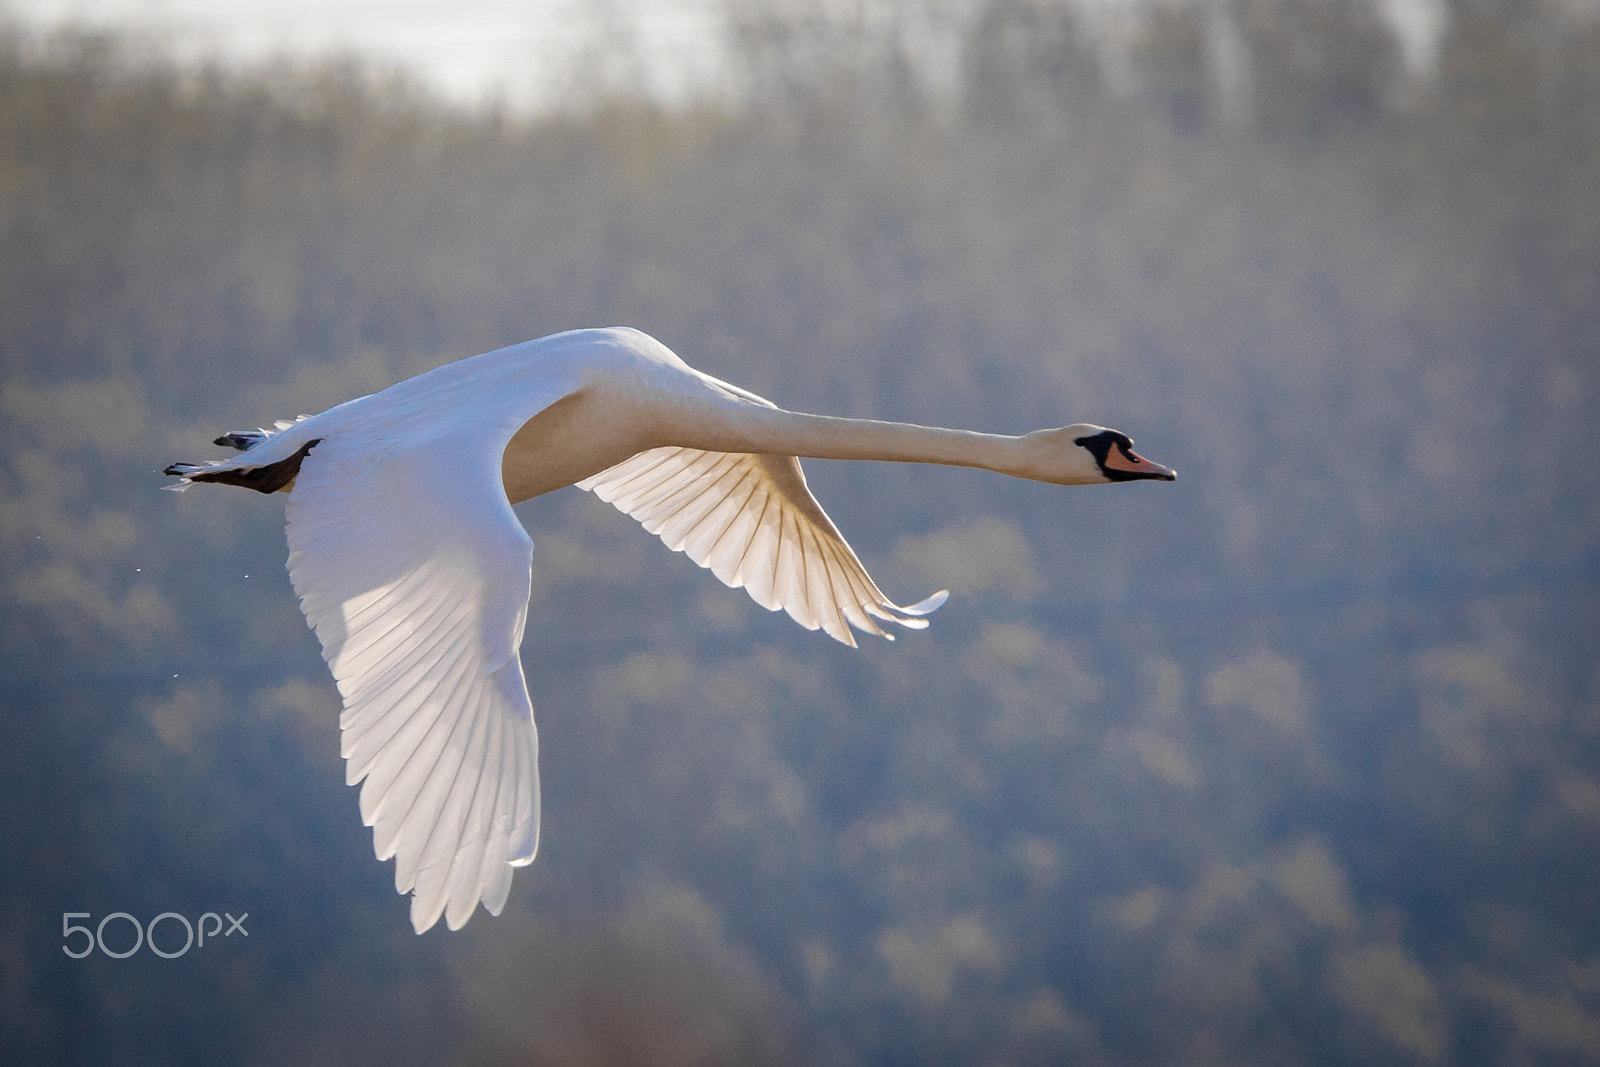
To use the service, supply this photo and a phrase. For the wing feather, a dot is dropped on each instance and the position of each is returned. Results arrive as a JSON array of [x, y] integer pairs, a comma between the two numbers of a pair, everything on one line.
[[414, 573], [752, 521], [477, 827], [370, 750], [706, 539], [494, 875], [422, 790], [757, 566], [442, 820]]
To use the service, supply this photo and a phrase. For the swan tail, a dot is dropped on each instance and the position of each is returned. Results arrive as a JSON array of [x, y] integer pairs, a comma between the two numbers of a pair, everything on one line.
[[270, 462], [242, 440], [263, 478]]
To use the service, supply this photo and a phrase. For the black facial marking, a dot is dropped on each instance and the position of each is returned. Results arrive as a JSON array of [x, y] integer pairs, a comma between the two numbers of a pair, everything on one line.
[[1100, 446]]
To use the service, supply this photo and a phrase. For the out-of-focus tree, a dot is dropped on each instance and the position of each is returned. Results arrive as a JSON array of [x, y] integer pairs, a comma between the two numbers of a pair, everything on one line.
[[1295, 759], [1027, 62], [1176, 55], [1316, 65]]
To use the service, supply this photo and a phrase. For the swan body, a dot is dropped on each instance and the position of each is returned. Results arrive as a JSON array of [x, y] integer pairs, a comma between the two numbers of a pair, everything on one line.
[[415, 574]]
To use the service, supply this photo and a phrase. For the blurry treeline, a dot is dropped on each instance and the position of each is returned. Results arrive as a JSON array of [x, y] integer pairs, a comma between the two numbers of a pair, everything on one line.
[[1297, 760]]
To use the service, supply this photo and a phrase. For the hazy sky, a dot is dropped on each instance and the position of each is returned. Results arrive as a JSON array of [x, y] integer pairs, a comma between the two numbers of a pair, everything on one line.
[[523, 50], [471, 49]]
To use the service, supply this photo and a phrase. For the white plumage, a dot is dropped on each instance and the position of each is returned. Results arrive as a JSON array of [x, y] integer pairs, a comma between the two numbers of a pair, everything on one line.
[[751, 521], [414, 572]]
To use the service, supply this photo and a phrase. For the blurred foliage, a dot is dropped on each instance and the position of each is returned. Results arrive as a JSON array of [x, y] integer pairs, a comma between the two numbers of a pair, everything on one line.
[[1297, 760]]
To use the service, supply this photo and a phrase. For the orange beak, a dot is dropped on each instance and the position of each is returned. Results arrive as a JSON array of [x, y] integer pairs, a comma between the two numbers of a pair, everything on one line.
[[1126, 459]]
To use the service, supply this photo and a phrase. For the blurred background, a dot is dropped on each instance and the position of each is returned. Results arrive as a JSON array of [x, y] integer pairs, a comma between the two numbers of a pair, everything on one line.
[[1296, 760]]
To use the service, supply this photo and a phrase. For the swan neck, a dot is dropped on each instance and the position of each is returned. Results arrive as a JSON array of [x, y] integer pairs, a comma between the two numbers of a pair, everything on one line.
[[780, 432]]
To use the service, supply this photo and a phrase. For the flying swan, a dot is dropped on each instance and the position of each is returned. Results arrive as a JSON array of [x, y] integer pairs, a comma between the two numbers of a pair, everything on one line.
[[415, 573]]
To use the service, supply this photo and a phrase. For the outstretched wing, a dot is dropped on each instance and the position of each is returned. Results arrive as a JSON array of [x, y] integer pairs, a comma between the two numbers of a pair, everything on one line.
[[414, 573], [751, 520]]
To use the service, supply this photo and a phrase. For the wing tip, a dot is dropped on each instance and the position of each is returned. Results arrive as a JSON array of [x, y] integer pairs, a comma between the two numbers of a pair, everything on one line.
[[929, 605], [421, 919]]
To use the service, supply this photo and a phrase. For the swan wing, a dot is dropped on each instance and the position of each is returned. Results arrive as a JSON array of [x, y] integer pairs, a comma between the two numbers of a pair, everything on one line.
[[414, 573], [751, 520]]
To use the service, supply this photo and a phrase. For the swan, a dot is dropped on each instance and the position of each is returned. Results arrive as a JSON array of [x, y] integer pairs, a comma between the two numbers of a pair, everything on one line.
[[415, 574]]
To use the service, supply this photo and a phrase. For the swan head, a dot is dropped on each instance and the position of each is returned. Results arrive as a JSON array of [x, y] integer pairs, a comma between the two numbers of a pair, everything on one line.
[[1086, 454]]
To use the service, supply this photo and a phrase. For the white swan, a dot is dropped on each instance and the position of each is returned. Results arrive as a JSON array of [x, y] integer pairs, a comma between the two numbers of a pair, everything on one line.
[[414, 572]]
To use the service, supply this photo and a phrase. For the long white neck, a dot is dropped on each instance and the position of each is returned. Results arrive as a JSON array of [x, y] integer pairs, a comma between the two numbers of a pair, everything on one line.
[[746, 427]]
